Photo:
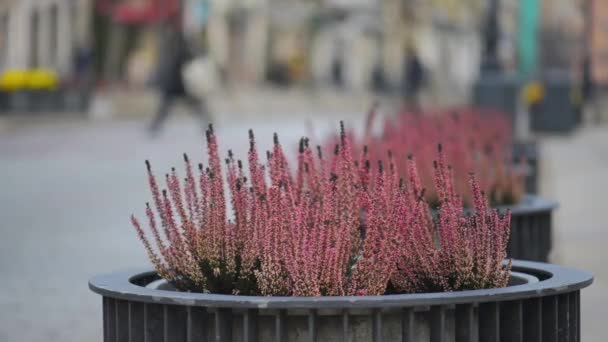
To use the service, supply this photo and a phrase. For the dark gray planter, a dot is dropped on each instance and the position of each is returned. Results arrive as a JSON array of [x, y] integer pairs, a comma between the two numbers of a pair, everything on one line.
[[44, 101], [19, 101], [4, 99], [75, 100], [556, 113], [33, 101], [531, 229], [545, 310], [497, 91]]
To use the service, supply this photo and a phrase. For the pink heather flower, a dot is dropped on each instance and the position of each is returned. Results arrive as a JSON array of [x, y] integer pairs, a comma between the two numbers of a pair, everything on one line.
[[457, 253], [473, 141], [343, 225]]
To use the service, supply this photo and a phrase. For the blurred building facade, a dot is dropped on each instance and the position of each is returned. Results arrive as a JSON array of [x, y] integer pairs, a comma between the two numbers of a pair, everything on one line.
[[43, 33], [562, 40], [130, 34], [596, 15], [352, 44]]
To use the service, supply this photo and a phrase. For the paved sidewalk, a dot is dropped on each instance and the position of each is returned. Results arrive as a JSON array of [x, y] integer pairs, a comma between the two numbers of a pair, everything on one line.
[[574, 172], [242, 103]]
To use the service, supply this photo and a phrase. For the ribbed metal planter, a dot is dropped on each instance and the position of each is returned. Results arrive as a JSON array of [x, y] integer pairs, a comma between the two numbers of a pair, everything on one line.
[[545, 310], [497, 91], [45, 101], [531, 229], [4, 102], [557, 113]]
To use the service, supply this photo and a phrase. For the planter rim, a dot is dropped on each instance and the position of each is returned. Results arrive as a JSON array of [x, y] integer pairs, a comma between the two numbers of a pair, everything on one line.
[[530, 204], [561, 280], [520, 278]]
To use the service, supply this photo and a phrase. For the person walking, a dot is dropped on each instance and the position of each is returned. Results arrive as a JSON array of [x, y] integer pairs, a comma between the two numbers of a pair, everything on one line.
[[172, 85], [588, 91], [413, 80]]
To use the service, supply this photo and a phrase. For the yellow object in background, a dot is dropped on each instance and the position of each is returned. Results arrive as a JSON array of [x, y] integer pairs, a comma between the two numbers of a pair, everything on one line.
[[13, 80], [533, 93], [35, 79], [41, 79], [297, 68]]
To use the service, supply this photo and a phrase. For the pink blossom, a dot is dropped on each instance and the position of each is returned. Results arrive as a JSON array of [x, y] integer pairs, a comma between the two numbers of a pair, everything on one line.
[[344, 225]]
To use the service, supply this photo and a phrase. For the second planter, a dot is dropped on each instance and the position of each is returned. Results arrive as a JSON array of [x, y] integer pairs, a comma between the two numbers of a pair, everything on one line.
[[531, 229]]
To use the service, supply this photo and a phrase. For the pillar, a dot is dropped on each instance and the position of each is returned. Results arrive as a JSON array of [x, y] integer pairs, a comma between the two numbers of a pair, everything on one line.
[[218, 39], [83, 22], [4, 15], [255, 40], [44, 38], [65, 41], [18, 35]]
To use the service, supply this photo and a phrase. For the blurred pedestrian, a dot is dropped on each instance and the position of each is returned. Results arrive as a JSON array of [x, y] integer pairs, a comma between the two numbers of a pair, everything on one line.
[[82, 65], [337, 62], [413, 80], [588, 91], [171, 81]]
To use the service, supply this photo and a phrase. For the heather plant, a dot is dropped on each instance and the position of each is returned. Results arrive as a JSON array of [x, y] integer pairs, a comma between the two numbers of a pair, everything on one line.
[[456, 252], [336, 226], [473, 140]]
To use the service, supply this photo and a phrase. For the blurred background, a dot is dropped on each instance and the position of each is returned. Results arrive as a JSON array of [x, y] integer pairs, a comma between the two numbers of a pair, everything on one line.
[[89, 89]]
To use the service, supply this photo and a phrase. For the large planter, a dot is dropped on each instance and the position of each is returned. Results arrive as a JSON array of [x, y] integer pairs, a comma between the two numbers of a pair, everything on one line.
[[44, 101], [19, 101], [498, 91], [75, 100], [557, 112], [4, 101], [33, 101], [531, 229], [541, 304]]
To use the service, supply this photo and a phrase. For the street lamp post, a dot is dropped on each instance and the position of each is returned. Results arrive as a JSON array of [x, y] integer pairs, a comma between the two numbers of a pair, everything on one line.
[[491, 36]]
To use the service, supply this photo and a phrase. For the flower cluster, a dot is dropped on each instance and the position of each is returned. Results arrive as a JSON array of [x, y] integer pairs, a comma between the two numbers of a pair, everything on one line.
[[473, 141], [456, 251], [337, 226]]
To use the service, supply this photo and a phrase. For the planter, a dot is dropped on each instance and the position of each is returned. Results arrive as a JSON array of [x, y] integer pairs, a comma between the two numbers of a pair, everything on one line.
[[498, 91], [4, 99], [545, 310], [75, 100], [19, 101], [43, 101], [531, 229], [557, 112], [33, 101]]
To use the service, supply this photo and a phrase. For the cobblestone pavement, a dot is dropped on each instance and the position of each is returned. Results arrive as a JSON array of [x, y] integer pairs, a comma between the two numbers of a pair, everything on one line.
[[68, 190]]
